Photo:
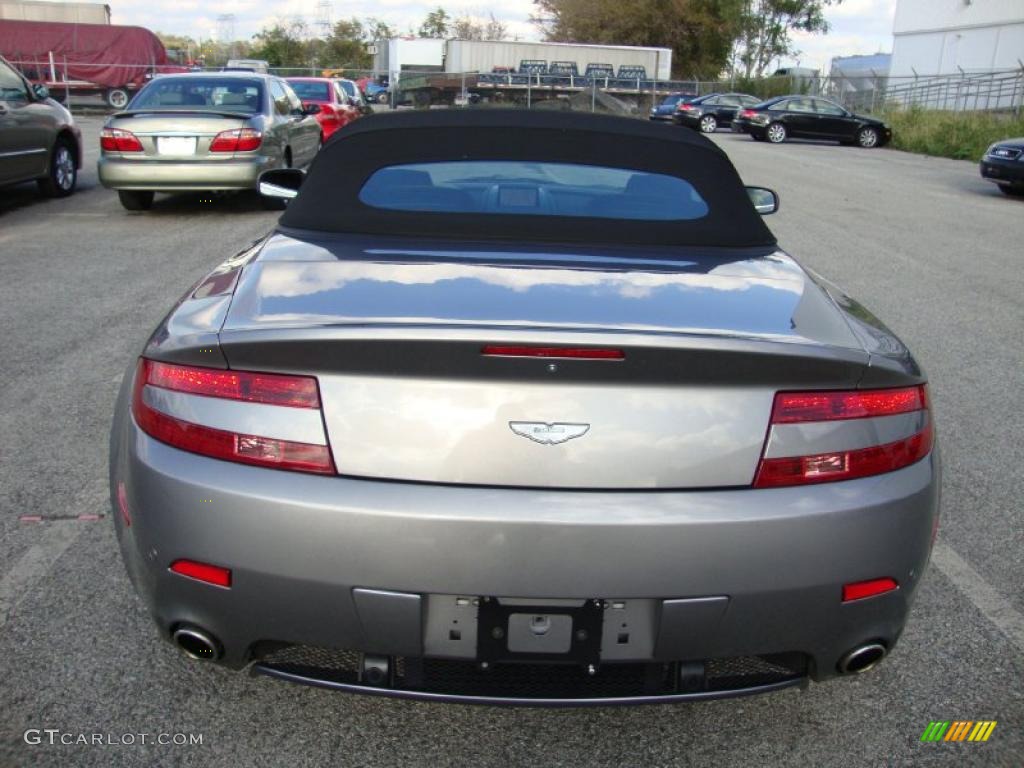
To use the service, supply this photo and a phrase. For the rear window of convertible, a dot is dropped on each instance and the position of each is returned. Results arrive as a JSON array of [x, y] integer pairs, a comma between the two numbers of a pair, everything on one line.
[[538, 189]]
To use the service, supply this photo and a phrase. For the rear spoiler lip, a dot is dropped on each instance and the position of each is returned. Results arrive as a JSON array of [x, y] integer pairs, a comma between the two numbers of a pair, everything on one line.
[[212, 112]]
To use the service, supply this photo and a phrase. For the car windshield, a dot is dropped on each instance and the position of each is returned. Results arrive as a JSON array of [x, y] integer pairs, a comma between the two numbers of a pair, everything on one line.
[[200, 93], [671, 101], [309, 90], [533, 188]]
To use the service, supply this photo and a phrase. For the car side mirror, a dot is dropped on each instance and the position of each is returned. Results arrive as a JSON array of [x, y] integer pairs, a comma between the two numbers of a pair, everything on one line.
[[310, 109], [281, 183], [41, 91], [765, 200]]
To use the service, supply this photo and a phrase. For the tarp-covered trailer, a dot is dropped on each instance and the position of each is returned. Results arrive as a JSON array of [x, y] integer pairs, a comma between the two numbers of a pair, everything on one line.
[[84, 58]]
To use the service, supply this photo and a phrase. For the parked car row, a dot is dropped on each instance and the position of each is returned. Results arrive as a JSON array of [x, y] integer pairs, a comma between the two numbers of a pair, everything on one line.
[[187, 132], [773, 120]]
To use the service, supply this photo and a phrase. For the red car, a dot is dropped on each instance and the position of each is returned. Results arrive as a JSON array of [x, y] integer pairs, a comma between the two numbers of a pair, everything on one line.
[[335, 110]]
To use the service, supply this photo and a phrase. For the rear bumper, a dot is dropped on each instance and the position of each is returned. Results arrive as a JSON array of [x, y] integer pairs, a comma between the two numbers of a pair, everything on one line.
[[1008, 172], [171, 176], [298, 545]]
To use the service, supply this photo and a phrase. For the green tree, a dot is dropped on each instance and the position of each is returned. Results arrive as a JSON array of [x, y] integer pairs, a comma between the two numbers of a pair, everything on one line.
[[766, 27], [346, 47], [470, 28], [284, 45], [377, 29], [437, 24], [699, 32]]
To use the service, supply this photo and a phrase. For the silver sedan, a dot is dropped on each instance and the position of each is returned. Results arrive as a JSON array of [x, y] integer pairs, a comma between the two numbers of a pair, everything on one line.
[[205, 131]]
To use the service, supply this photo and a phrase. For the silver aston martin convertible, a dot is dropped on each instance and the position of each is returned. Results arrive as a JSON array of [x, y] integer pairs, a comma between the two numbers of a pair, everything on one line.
[[524, 407]]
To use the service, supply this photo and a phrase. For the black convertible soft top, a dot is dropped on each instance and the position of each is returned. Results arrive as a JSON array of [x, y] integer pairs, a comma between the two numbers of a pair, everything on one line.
[[329, 199]]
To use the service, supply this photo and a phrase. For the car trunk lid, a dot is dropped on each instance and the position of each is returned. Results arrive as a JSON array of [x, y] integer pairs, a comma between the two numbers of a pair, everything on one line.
[[178, 135], [398, 339]]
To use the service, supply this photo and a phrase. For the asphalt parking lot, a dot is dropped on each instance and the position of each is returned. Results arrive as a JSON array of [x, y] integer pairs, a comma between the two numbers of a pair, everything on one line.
[[923, 242]]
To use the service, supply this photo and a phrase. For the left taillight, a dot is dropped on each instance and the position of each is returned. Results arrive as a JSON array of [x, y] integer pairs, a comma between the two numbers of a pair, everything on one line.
[[119, 140], [900, 434], [266, 419], [237, 140]]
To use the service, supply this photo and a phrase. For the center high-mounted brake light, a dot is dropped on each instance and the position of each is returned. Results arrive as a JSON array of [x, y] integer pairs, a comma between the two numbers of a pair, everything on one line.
[[793, 410], [237, 140], [168, 404], [576, 353], [118, 140]]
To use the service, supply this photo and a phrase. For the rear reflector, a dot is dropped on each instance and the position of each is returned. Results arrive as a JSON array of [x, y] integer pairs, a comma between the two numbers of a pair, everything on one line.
[[858, 590], [211, 574], [576, 353], [809, 407], [792, 407], [269, 388], [122, 504], [274, 389], [117, 140], [237, 140]]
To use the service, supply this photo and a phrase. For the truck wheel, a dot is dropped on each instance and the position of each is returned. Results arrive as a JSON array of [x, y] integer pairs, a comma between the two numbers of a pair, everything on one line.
[[61, 177], [421, 99], [117, 98], [382, 97], [135, 200]]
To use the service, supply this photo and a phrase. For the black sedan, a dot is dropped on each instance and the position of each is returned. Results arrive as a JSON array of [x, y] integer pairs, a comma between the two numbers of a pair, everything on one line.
[[1003, 164], [666, 108], [806, 117], [712, 111]]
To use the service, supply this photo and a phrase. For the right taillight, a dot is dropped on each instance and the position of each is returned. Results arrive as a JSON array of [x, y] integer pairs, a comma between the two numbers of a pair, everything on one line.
[[267, 419], [118, 140], [899, 434], [237, 140]]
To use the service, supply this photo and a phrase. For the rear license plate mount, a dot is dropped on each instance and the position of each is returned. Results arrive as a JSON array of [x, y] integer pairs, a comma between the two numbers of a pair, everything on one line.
[[495, 622], [176, 146]]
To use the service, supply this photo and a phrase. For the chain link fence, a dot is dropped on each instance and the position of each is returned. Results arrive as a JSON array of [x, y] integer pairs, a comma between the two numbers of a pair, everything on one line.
[[628, 91]]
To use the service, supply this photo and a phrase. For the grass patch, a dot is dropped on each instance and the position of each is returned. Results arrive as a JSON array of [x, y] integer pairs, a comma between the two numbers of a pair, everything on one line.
[[959, 135]]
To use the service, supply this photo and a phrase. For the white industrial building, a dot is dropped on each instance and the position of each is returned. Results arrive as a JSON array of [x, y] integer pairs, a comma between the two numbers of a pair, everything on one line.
[[945, 37]]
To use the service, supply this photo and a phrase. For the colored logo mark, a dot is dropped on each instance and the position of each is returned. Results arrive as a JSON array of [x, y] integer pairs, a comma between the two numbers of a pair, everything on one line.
[[958, 730]]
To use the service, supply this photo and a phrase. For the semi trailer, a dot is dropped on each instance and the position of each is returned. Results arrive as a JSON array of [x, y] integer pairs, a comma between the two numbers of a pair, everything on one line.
[[79, 59], [424, 72]]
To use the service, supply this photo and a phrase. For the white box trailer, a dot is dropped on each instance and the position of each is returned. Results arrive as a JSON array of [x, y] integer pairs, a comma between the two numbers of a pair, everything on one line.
[[404, 54], [41, 10], [485, 55]]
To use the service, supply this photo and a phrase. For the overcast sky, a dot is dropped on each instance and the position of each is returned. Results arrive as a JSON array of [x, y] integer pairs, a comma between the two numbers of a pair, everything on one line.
[[858, 26]]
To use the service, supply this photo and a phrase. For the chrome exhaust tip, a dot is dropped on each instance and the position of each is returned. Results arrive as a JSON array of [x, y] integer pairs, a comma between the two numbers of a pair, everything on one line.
[[862, 658], [197, 644]]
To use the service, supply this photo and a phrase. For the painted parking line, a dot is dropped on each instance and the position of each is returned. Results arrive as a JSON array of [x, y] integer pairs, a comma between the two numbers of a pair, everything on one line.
[[35, 564], [996, 608]]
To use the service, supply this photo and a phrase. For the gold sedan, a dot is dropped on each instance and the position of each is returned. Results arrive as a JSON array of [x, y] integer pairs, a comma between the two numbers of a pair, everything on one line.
[[205, 131]]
